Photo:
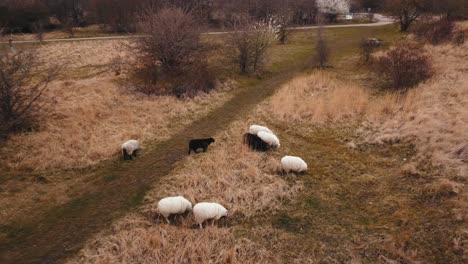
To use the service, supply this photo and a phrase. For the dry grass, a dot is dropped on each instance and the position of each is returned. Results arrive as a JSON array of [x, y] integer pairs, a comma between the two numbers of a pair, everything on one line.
[[438, 120], [319, 98], [136, 240], [92, 116], [245, 182], [434, 114]]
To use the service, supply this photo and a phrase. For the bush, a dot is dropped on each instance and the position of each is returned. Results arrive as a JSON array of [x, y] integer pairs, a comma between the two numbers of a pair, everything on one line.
[[435, 32], [249, 44], [171, 59], [403, 66], [23, 82]]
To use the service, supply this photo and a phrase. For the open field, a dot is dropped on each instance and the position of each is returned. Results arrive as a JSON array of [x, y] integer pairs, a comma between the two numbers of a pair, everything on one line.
[[360, 202]]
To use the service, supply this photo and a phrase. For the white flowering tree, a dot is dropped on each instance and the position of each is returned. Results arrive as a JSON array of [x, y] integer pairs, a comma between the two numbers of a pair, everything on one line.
[[331, 8]]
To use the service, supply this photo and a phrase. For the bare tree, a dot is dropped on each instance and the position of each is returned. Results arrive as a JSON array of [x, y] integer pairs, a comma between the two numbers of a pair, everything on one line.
[[323, 52], [249, 44], [23, 81], [171, 58], [173, 37], [405, 11]]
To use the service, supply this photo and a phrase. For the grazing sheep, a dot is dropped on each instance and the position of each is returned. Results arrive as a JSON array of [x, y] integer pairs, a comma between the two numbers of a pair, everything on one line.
[[269, 138], [294, 164], [173, 205], [254, 142], [254, 129], [206, 211], [203, 143], [130, 149]]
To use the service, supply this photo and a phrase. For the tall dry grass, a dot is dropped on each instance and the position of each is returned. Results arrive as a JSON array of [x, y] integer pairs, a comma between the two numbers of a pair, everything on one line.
[[93, 114], [434, 115], [245, 182], [320, 97], [438, 121], [136, 240]]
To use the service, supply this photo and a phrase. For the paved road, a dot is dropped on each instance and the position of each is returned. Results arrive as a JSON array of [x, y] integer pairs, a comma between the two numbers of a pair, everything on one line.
[[382, 21]]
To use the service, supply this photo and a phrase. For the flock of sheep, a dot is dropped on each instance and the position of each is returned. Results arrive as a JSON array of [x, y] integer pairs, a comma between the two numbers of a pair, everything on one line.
[[258, 138]]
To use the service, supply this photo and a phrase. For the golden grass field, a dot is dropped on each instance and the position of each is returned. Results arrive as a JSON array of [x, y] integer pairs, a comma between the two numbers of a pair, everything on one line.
[[94, 114], [360, 202], [386, 180]]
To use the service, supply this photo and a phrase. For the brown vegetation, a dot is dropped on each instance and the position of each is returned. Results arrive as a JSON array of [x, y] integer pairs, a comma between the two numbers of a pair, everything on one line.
[[435, 32], [245, 182], [23, 82], [137, 240], [249, 44], [93, 115], [230, 174], [403, 66], [171, 58]]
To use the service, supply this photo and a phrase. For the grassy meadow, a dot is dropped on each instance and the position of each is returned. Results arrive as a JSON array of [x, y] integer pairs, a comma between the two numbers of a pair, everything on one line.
[[383, 185]]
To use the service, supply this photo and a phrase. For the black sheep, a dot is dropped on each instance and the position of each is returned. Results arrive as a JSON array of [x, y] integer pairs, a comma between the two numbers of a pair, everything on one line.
[[203, 143], [254, 142]]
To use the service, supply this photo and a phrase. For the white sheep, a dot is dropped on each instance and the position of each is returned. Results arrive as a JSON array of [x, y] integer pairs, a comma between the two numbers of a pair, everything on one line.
[[204, 211], [254, 129], [292, 163], [269, 138], [173, 205], [130, 149]]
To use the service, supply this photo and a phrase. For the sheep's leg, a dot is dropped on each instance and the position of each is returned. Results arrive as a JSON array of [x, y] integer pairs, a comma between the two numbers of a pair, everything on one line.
[[204, 149], [167, 219], [135, 153], [189, 151], [201, 225]]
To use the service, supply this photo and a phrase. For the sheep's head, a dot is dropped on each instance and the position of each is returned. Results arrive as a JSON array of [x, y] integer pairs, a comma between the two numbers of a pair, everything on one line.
[[211, 140]]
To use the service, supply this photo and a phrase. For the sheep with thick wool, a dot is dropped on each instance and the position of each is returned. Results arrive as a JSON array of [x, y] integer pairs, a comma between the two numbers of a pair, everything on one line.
[[130, 149], [254, 129], [205, 211], [269, 138], [173, 205], [294, 164]]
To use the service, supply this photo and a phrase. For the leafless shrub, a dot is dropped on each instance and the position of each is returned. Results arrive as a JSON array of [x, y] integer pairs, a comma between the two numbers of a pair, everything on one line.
[[172, 49], [23, 81], [323, 52], [435, 32], [249, 44], [173, 37], [403, 66]]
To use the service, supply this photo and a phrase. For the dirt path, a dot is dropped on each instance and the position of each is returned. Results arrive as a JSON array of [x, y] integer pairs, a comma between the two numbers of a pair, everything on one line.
[[120, 187], [382, 21]]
